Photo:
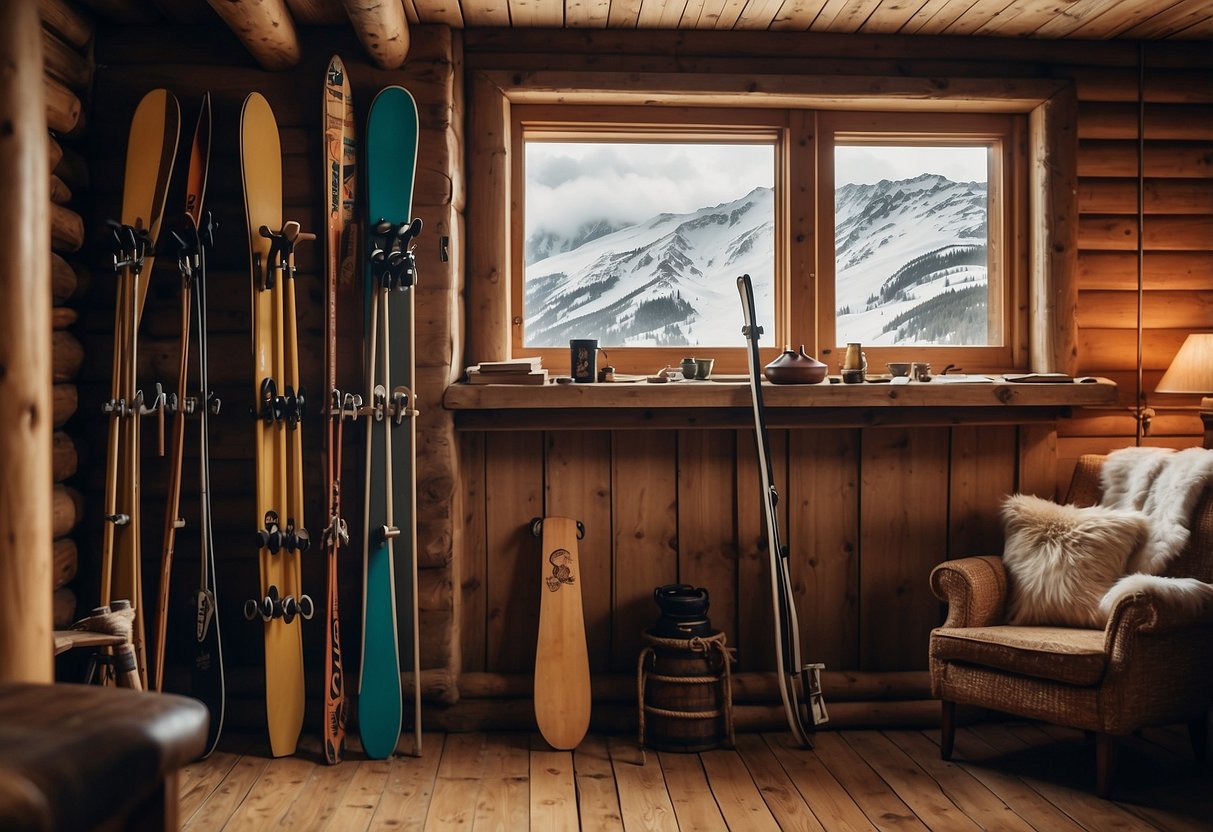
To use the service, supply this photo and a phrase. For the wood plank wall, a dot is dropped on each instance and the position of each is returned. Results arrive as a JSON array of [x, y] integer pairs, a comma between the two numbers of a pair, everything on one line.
[[1177, 287], [868, 513], [870, 510], [134, 60]]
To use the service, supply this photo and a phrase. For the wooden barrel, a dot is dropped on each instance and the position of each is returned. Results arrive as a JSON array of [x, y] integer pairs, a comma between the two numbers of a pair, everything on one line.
[[684, 691]]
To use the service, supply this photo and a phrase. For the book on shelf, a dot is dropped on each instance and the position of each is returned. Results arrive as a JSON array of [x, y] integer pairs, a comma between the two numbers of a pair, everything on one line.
[[514, 365], [477, 376]]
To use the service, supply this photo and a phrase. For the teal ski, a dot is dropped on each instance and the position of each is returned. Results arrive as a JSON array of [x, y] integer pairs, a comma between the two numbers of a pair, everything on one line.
[[389, 638]]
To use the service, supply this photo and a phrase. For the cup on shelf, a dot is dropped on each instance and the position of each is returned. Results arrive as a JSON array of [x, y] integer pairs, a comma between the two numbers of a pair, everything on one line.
[[922, 371], [703, 368]]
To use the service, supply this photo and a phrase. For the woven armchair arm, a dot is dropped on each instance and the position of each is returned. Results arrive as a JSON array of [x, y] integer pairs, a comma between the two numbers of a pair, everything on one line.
[[975, 590], [1146, 623], [1149, 612]]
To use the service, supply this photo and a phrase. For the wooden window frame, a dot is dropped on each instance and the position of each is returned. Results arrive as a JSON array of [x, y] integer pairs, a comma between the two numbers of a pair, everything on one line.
[[645, 124], [1006, 220], [1048, 201]]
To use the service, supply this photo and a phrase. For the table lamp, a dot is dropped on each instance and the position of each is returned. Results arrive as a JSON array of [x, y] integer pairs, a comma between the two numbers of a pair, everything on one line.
[[1191, 371]]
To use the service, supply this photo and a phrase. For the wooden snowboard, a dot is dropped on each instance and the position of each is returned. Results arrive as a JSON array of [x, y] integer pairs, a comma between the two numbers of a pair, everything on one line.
[[562, 663]]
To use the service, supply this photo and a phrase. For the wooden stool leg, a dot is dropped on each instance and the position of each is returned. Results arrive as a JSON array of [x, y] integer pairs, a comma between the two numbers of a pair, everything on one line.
[[1105, 762], [947, 729]]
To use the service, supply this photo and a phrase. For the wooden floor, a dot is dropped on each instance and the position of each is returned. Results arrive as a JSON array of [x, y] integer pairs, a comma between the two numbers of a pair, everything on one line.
[[1012, 776]]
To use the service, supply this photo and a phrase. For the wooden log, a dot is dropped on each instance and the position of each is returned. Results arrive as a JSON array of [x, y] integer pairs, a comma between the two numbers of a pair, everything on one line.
[[1053, 183], [1161, 159], [61, 194], [67, 20], [317, 12], [749, 687], [66, 559], [488, 275], [1099, 309], [65, 63], [64, 605], [67, 354], [62, 317], [67, 229], [63, 457], [64, 280], [1160, 196], [66, 507], [266, 29], [620, 718], [439, 685], [1163, 270], [124, 11], [72, 168], [54, 152], [382, 28], [1162, 233], [62, 106], [26, 616], [64, 400]]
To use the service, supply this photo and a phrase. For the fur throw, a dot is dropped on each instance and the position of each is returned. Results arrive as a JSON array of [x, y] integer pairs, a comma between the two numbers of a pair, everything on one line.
[[1186, 594], [1163, 485], [1062, 559]]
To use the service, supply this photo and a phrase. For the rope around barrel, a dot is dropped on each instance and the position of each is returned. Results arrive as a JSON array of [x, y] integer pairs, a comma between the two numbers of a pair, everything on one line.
[[698, 644]]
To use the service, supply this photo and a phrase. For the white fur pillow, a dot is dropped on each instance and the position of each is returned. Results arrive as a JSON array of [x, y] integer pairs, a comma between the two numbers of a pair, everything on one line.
[[1062, 559]]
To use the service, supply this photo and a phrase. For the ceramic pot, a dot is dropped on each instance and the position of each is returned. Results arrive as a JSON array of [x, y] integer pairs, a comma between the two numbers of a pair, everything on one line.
[[794, 367]]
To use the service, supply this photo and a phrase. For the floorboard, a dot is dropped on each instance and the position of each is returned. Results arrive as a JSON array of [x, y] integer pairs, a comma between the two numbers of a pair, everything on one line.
[[1014, 776]]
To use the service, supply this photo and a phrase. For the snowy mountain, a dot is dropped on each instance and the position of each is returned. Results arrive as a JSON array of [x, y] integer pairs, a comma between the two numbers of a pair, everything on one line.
[[911, 258], [668, 281]]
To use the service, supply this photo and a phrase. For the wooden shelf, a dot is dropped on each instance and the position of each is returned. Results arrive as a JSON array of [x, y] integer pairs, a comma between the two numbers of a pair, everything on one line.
[[727, 402]]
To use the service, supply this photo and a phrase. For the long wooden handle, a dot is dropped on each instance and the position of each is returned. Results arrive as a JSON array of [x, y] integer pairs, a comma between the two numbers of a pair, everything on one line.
[[562, 663]]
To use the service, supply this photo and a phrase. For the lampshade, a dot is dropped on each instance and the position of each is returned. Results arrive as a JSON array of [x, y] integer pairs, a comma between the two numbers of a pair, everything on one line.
[[1191, 370]]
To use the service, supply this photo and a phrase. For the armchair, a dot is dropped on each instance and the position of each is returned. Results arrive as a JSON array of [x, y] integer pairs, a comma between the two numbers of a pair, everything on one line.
[[1151, 664]]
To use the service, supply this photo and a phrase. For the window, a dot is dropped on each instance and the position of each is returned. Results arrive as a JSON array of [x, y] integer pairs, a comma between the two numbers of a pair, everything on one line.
[[634, 228], [917, 227], [902, 231]]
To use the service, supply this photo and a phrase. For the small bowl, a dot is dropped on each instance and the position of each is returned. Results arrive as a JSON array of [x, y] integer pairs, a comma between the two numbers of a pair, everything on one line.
[[899, 368]]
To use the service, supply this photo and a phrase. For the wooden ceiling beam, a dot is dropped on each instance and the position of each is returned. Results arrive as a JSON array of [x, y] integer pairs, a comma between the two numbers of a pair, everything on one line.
[[382, 28], [266, 29]]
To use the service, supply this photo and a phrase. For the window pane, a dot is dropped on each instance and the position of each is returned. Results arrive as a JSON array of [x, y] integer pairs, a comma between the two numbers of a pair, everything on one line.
[[641, 244], [911, 246]]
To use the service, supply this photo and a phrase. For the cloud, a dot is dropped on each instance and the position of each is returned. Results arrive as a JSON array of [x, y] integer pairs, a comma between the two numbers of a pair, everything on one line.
[[857, 164], [569, 184]]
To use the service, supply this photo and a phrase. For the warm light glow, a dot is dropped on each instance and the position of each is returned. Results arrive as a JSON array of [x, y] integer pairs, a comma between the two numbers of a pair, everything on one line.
[[1191, 370]]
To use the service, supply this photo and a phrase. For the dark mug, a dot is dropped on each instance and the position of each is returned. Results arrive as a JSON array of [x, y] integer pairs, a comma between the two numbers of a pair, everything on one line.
[[583, 358]]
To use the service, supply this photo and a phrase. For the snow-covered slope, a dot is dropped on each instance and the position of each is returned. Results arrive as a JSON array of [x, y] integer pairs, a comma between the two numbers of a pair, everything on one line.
[[911, 258]]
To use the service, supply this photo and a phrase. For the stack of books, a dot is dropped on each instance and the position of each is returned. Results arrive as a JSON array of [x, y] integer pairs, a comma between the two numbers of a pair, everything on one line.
[[515, 371]]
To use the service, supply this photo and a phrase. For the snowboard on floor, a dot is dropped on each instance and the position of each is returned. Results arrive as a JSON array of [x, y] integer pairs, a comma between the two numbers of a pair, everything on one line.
[[799, 684], [339, 180], [389, 612], [278, 407], [151, 149], [562, 661]]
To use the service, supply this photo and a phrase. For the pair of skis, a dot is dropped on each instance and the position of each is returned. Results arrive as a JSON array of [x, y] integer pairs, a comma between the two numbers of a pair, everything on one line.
[[390, 509], [799, 684], [151, 153], [195, 237], [389, 408], [280, 403], [151, 150]]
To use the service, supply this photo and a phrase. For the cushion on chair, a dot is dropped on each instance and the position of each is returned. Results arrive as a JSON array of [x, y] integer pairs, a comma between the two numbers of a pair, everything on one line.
[[1061, 560], [1063, 654]]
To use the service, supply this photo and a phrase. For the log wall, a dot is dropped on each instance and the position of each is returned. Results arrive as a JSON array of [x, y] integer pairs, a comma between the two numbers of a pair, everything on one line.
[[210, 60], [69, 66], [870, 509]]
